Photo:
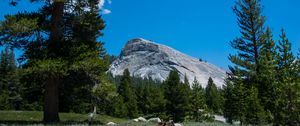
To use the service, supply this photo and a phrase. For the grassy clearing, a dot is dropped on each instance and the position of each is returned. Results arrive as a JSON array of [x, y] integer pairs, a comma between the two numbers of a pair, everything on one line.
[[34, 118]]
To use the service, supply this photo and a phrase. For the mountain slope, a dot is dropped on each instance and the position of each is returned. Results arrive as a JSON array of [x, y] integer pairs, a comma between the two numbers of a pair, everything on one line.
[[145, 59]]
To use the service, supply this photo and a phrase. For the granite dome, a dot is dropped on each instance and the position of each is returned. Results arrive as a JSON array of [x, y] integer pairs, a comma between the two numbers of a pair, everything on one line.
[[145, 58]]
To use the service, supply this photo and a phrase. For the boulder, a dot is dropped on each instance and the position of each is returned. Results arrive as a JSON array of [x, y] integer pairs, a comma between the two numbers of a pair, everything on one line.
[[111, 124], [142, 119], [135, 120], [178, 124], [155, 120]]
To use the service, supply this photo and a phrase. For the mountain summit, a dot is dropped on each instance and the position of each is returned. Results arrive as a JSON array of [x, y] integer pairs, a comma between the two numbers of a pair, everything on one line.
[[145, 59]]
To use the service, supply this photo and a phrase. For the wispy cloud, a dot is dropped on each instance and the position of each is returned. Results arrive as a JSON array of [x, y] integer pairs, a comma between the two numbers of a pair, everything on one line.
[[106, 11], [101, 6]]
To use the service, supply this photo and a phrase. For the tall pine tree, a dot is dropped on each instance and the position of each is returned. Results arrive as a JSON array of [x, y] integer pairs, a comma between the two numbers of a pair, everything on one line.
[[268, 84], [212, 96], [288, 102], [125, 89], [235, 99], [247, 62], [251, 23], [57, 50], [176, 98], [10, 88], [198, 100]]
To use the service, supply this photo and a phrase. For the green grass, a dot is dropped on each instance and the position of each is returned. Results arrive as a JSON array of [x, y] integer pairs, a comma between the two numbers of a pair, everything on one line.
[[34, 118]]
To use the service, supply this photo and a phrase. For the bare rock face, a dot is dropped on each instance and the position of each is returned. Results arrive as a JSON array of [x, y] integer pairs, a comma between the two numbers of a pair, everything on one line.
[[146, 59]]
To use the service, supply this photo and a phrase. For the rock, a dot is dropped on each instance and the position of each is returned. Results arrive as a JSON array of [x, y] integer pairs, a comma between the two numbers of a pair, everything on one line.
[[178, 124], [135, 120], [147, 59], [220, 118], [155, 120], [111, 124], [142, 119]]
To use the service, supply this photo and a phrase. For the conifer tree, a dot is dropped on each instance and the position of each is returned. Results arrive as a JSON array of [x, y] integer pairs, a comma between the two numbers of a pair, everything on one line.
[[288, 103], [285, 57], [126, 91], [158, 102], [212, 96], [235, 99], [188, 95], [176, 100], [57, 51], [230, 110], [248, 62], [118, 107], [197, 101], [251, 41], [268, 84], [151, 99], [254, 113], [10, 94]]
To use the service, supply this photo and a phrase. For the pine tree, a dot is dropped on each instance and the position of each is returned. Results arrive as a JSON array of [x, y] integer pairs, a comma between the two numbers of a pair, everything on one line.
[[212, 96], [197, 101], [230, 110], [7, 63], [118, 107], [235, 99], [250, 43], [285, 56], [255, 113], [57, 51], [188, 95], [9, 82], [158, 102], [176, 97], [268, 85], [154, 99], [288, 103], [126, 91], [248, 62]]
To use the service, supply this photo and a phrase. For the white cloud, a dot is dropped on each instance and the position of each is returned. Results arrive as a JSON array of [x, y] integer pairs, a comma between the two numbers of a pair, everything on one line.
[[106, 11], [101, 6]]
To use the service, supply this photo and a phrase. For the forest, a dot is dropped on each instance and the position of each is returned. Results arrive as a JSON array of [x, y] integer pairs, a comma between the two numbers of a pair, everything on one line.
[[63, 69]]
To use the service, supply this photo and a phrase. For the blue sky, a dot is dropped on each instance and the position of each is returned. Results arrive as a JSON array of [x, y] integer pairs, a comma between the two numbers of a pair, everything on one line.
[[200, 28]]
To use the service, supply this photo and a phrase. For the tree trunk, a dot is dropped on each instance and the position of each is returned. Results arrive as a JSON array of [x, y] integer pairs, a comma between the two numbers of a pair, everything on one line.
[[51, 100], [56, 34], [51, 104]]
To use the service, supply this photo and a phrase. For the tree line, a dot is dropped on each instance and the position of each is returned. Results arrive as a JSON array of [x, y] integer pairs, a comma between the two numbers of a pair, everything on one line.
[[171, 99]]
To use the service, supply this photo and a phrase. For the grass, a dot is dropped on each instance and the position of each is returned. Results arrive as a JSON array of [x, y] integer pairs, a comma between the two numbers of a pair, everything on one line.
[[34, 118]]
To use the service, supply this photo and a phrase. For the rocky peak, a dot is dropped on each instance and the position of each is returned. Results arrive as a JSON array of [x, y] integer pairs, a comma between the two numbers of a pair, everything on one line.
[[138, 45], [144, 58]]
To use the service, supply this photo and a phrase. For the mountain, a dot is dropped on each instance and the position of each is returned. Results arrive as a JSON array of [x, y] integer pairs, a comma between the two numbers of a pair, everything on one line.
[[145, 58]]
